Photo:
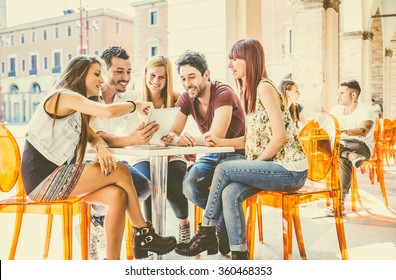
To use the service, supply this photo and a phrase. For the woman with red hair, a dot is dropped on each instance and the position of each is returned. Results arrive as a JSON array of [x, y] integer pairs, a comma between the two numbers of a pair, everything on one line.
[[275, 160]]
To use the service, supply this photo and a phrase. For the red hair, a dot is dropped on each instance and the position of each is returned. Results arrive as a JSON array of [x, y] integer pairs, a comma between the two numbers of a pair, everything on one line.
[[252, 52]]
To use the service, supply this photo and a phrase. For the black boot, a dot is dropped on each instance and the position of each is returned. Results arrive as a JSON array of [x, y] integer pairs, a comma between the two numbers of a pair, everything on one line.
[[224, 244], [145, 239], [238, 255], [204, 240]]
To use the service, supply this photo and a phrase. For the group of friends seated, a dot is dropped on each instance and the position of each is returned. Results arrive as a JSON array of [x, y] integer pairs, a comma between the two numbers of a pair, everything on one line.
[[90, 102]]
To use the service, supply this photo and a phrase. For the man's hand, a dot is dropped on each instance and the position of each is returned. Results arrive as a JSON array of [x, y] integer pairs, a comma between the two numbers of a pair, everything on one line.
[[192, 158], [187, 140], [143, 133], [211, 140]]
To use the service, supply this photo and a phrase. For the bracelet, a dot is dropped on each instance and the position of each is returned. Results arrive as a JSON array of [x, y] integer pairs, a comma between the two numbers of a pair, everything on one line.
[[134, 106], [101, 143]]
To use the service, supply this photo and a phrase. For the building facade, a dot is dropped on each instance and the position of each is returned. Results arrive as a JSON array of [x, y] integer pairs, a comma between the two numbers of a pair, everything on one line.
[[150, 34], [32, 55]]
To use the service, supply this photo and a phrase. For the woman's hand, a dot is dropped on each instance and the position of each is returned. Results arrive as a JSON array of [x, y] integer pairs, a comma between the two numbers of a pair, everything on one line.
[[106, 161], [144, 107], [169, 139]]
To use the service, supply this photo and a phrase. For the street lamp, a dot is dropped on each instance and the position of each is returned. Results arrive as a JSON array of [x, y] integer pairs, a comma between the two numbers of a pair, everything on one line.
[[81, 34]]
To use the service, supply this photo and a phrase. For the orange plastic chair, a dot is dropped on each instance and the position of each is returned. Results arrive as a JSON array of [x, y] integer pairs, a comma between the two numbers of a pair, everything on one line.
[[321, 141], [10, 177], [387, 148], [375, 165]]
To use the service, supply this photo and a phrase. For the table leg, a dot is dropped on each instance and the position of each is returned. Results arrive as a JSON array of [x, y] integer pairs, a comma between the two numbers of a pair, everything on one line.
[[159, 179]]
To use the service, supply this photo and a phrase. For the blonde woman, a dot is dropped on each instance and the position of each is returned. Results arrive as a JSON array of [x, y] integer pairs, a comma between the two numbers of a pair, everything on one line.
[[158, 89]]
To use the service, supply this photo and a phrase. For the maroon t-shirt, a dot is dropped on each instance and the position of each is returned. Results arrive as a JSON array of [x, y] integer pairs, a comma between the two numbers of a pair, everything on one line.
[[220, 95]]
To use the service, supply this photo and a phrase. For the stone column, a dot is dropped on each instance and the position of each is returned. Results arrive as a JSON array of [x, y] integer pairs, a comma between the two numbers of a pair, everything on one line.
[[248, 19], [386, 106], [331, 49], [365, 83]]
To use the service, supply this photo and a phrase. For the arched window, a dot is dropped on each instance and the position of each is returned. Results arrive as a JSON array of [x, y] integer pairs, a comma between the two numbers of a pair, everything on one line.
[[36, 88], [14, 89]]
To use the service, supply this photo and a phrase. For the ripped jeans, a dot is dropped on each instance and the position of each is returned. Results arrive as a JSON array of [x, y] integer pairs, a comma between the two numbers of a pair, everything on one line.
[[199, 176]]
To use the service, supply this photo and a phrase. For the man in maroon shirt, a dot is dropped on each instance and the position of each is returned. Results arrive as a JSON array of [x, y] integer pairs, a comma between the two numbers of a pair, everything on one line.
[[217, 111]]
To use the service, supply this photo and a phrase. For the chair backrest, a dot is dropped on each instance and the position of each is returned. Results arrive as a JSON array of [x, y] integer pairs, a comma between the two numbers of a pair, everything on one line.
[[321, 141], [10, 160]]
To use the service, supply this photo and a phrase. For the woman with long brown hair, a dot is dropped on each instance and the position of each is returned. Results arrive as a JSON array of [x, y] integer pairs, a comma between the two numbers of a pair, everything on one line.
[[291, 93], [52, 160]]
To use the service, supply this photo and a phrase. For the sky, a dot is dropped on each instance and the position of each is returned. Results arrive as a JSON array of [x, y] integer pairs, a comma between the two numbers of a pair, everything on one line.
[[22, 11]]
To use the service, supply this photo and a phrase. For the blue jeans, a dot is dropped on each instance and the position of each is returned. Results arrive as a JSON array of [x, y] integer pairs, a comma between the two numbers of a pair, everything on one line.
[[198, 179], [233, 182], [142, 187]]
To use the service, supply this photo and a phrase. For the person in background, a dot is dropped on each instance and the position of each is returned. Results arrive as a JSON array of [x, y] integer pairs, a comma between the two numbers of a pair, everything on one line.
[[114, 90], [376, 108], [291, 93], [52, 160], [158, 89], [275, 160], [216, 110], [356, 122]]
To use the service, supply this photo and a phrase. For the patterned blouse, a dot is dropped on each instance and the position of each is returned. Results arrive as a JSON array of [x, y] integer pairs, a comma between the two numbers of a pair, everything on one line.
[[258, 135]]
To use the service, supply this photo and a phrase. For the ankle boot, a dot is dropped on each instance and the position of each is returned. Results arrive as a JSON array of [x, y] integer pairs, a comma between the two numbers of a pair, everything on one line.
[[238, 255], [224, 244], [204, 240], [145, 239]]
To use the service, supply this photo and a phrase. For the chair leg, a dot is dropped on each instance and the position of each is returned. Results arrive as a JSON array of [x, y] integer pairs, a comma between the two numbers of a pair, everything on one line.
[[197, 217], [128, 239], [17, 231], [251, 225], [288, 205], [355, 191], [339, 222], [48, 235], [260, 223], [298, 231], [85, 215], [381, 179], [67, 222]]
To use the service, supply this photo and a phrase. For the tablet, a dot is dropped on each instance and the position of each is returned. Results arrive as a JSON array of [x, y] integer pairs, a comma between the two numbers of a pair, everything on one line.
[[165, 117]]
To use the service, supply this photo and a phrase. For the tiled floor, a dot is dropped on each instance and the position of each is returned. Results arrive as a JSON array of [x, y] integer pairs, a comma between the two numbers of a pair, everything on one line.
[[370, 232]]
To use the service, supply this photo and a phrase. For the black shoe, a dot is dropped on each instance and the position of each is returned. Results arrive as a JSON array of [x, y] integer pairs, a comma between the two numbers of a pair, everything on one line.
[[224, 244], [145, 239], [238, 255], [204, 240]]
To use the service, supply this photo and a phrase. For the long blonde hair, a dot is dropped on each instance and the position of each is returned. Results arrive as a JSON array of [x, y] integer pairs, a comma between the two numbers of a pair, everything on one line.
[[167, 92], [73, 78]]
